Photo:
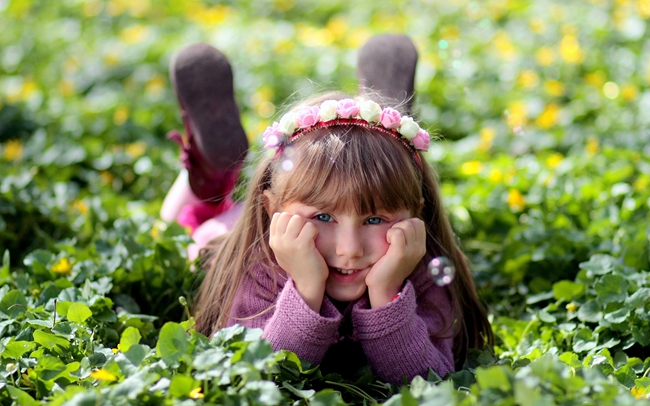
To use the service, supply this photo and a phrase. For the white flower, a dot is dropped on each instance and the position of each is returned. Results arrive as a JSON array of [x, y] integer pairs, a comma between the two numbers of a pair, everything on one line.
[[408, 128], [328, 110], [370, 111], [288, 123]]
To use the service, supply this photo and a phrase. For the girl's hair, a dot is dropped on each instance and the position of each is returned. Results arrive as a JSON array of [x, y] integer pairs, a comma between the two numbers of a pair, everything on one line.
[[339, 168]]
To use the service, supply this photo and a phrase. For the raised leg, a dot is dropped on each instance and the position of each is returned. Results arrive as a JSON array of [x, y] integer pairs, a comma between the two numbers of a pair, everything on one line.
[[386, 65], [214, 145]]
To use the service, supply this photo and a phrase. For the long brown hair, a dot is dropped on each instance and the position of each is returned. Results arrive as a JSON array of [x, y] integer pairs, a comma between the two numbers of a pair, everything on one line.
[[336, 168]]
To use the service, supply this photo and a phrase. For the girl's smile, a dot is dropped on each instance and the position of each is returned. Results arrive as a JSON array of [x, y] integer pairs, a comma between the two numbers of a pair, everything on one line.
[[350, 244]]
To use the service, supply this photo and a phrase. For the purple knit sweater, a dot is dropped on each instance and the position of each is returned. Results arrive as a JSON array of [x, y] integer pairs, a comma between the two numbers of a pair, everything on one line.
[[395, 338]]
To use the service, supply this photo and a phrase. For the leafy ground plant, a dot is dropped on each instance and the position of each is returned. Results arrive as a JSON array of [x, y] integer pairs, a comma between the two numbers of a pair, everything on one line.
[[543, 159]]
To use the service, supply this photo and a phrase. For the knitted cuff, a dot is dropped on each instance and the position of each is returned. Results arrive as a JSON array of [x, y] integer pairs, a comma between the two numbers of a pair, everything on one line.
[[295, 318], [374, 323]]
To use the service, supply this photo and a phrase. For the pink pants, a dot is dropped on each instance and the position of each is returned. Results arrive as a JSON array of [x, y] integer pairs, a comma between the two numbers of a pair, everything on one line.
[[205, 221]]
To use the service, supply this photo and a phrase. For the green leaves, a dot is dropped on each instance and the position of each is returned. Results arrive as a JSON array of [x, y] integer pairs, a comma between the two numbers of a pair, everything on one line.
[[544, 172], [172, 343], [567, 290], [78, 312]]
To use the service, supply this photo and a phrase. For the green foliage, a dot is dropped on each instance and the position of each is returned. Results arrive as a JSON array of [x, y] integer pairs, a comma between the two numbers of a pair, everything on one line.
[[543, 160]]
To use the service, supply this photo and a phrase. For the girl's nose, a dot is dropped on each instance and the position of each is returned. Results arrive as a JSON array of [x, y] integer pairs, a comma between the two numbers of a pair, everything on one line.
[[349, 243]]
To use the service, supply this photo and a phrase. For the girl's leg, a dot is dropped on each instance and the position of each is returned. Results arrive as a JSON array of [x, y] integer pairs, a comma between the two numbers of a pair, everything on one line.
[[386, 65], [214, 145]]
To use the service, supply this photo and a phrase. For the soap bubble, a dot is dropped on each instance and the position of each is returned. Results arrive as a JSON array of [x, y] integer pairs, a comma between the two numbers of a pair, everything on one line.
[[442, 271], [287, 165]]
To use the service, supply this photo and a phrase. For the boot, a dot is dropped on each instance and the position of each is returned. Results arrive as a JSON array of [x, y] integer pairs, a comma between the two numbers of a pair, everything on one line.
[[215, 144], [386, 65]]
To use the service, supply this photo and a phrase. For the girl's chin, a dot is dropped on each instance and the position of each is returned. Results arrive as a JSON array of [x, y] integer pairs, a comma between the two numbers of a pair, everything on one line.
[[344, 297]]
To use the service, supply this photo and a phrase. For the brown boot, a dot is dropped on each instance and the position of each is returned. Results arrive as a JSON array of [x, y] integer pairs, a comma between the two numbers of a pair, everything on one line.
[[215, 143], [386, 65]]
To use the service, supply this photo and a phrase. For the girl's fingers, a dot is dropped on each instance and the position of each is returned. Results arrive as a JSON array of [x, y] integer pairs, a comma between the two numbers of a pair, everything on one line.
[[274, 224], [295, 224], [309, 231]]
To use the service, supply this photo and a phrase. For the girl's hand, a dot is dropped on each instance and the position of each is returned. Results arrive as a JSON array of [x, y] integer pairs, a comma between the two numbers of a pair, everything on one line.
[[293, 241], [407, 246]]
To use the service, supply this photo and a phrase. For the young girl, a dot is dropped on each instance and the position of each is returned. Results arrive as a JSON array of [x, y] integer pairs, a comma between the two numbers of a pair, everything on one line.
[[329, 254]]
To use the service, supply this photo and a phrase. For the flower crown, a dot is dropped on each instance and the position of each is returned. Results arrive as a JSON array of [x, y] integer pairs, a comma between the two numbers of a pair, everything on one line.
[[366, 113]]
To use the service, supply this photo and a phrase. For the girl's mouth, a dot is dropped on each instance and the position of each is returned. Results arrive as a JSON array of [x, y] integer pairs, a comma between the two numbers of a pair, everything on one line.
[[345, 271]]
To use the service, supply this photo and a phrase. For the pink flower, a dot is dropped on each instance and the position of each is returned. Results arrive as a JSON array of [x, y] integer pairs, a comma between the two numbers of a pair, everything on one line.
[[347, 108], [272, 136], [390, 118], [421, 141], [307, 116]]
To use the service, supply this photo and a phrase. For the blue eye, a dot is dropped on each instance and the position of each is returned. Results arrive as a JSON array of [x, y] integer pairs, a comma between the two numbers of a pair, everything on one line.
[[374, 220], [323, 217]]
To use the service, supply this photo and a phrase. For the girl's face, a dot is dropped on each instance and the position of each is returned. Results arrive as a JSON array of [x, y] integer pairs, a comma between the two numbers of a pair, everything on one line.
[[350, 244]]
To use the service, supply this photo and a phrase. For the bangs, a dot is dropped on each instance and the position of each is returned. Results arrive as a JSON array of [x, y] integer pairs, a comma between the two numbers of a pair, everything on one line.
[[349, 168]]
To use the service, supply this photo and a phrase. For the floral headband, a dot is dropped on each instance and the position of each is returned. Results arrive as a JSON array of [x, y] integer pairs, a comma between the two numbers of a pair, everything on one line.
[[367, 113]]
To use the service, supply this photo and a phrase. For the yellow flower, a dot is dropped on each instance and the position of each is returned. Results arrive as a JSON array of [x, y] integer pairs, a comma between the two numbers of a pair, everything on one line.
[[640, 393], [642, 183], [496, 176], [283, 46], [120, 115], [134, 34], [357, 37], [592, 146], [136, 149], [338, 26], [528, 79], [516, 200], [111, 58], [103, 375], [629, 92], [80, 206], [516, 114], [13, 150], [196, 393], [504, 46], [471, 168], [315, 37], [548, 117], [595, 79], [155, 85], [116, 350], [209, 16], [545, 56], [450, 31], [570, 49], [572, 307], [487, 135], [554, 88], [554, 160], [25, 378], [643, 7], [62, 267]]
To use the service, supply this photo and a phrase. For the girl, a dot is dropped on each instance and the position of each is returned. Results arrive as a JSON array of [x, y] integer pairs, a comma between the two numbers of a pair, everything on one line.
[[329, 254]]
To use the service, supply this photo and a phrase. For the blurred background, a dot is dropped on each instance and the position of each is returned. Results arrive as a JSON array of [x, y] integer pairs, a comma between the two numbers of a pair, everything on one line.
[[541, 107]]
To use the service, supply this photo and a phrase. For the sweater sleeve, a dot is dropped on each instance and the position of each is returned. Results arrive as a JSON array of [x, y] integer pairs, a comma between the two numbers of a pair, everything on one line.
[[288, 322], [396, 337]]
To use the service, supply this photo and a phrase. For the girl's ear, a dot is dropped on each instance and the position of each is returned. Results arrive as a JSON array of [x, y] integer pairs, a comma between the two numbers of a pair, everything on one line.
[[269, 202]]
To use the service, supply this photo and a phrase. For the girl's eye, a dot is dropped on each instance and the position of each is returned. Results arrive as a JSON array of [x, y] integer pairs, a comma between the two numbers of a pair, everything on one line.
[[323, 217], [374, 220]]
